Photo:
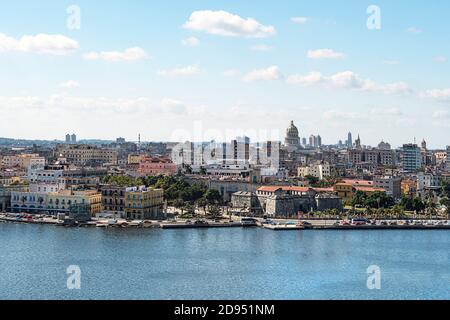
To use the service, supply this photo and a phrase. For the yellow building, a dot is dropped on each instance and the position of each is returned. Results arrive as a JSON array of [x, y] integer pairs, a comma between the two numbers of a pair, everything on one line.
[[347, 188], [135, 158], [62, 200], [83, 155], [143, 203]]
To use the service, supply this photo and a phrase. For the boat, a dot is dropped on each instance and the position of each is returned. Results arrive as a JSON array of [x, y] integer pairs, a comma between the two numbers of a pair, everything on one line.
[[248, 222]]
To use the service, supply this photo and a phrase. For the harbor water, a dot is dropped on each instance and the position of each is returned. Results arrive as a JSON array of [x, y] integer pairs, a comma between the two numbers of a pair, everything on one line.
[[222, 264]]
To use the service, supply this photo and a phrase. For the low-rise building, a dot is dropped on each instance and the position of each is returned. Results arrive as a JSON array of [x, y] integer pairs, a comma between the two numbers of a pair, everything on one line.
[[86, 155], [144, 203], [113, 198], [152, 166], [318, 170], [392, 185]]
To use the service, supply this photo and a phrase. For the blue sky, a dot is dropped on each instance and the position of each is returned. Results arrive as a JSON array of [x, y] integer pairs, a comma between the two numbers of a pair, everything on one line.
[[171, 70]]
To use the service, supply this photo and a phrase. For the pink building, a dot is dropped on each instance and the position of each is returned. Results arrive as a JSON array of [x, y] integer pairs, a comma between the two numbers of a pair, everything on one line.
[[150, 166]]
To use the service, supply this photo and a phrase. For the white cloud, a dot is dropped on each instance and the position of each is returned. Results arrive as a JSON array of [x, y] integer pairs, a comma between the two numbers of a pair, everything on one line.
[[324, 54], [224, 23], [130, 54], [342, 115], [300, 20], [386, 111], [181, 71], [439, 114], [437, 94], [173, 106], [348, 80], [191, 42], [391, 62], [414, 30], [231, 73], [261, 47], [306, 80], [54, 44], [70, 84], [267, 74], [441, 59]]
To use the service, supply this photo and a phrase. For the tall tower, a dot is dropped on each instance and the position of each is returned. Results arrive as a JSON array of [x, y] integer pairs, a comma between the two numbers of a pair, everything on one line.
[[139, 142], [350, 140]]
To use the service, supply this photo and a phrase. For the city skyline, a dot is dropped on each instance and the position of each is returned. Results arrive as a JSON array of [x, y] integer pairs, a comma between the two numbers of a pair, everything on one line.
[[228, 66]]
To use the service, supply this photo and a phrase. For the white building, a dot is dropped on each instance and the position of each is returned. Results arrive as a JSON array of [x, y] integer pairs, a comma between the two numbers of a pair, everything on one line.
[[318, 170], [427, 181], [42, 175]]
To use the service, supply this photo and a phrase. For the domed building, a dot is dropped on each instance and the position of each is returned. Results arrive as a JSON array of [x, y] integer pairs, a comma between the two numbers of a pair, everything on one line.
[[292, 140]]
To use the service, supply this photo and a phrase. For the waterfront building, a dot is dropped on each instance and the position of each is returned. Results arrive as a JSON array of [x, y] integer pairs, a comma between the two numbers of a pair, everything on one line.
[[245, 203], [144, 203], [289, 201], [60, 202], [5, 195], [33, 201], [113, 199], [347, 188]]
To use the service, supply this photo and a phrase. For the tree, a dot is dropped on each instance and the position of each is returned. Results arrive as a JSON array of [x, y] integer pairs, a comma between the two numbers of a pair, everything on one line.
[[214, 211], [202, 203], [213, 196], [359, 199]]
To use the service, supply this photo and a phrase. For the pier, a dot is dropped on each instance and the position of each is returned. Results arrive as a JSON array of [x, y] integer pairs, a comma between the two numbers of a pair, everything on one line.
[[274, 225]]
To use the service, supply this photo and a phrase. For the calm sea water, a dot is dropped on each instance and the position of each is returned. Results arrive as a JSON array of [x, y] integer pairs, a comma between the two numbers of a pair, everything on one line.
[[222, 263]]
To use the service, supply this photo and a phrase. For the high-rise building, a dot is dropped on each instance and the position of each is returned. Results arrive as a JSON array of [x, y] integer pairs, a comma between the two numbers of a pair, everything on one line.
[[67, 138], [448, 159], [312, 141], [304, 142], [73, 138], [350, 140], [319, 141], [412, 157]]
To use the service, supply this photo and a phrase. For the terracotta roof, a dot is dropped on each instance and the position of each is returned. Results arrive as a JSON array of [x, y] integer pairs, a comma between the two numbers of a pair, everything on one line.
[[369, 189], [284, 188], [358, 182]]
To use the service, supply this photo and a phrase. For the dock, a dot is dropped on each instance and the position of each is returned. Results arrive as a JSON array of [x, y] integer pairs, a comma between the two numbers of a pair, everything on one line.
[[283, 227], [183, 225]]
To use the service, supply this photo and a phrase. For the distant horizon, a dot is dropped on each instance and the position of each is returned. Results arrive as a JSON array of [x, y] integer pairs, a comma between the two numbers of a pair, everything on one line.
[[198, 142], [190, 69]]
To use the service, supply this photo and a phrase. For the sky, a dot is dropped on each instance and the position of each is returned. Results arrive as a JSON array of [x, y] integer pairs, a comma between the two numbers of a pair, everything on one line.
[[201, 69]]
